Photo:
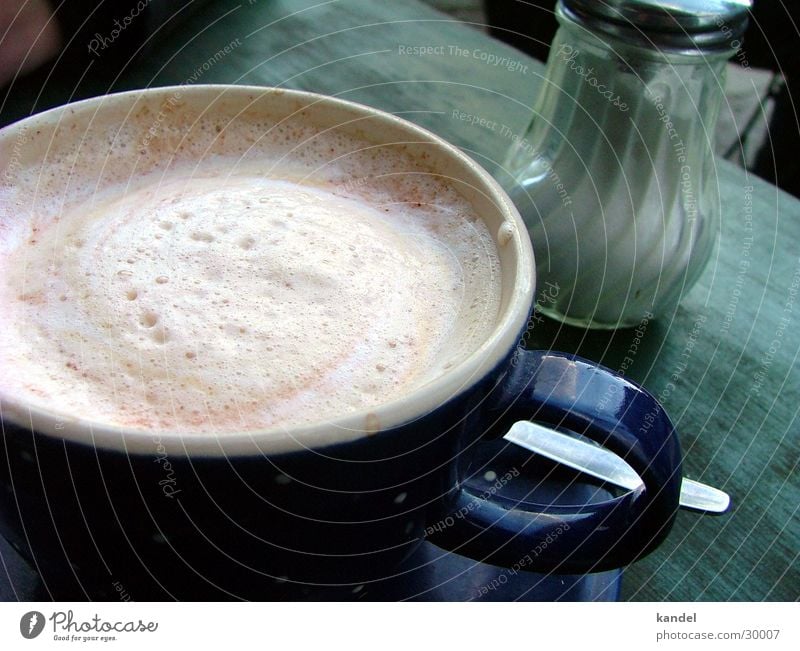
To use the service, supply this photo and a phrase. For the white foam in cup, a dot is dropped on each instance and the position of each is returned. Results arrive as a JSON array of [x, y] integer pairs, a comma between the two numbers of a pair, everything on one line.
[[189, 273]]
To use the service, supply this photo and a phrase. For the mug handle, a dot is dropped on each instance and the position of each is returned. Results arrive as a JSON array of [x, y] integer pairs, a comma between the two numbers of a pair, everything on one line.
[[569, 392]]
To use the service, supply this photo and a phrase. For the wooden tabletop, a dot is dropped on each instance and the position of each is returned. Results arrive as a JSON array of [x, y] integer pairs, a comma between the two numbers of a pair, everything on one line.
[[730, 348]]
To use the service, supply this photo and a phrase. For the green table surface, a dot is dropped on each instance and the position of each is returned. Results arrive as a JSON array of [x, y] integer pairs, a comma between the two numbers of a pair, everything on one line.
[[731, 346]]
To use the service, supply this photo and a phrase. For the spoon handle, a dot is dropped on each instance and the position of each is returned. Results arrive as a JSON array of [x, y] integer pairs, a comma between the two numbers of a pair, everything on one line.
[[599, 462]]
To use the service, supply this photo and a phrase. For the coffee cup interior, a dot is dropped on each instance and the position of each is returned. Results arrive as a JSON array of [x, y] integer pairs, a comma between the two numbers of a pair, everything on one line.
[[74, 156]]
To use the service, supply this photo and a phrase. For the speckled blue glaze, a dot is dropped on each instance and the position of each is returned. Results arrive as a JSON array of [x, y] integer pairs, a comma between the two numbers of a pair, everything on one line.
[[290, 525], [575, 394], [95, 509]]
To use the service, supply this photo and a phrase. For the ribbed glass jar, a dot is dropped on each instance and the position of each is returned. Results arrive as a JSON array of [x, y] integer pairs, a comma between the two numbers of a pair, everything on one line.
[[615, 176]]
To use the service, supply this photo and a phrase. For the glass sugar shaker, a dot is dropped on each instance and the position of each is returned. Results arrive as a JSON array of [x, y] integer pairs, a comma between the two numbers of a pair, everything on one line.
[[615, 176]]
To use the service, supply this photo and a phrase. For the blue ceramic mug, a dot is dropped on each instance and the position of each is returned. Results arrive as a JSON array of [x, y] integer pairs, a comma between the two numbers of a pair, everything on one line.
[[335, 503]]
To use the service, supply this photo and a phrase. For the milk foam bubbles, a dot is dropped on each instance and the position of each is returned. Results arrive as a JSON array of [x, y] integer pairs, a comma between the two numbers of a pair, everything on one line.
[[202, 302]]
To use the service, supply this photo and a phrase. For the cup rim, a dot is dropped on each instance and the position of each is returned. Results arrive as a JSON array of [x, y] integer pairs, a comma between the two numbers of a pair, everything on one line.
[[319, 434]]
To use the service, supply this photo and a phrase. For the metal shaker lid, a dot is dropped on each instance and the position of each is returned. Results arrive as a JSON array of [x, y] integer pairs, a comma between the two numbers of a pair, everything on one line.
[[691, 26]]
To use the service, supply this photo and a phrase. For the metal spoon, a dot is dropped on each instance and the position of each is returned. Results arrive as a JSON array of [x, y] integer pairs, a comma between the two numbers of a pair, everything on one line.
[[598, 462]]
